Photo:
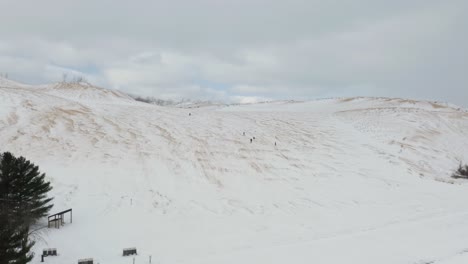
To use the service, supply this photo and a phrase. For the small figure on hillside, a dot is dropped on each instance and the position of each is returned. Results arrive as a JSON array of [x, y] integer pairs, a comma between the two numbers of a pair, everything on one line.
[[189, 114], [275, 143], [250, 140]]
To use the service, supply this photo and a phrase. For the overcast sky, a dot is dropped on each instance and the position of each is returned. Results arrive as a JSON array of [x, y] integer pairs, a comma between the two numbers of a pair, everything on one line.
[[243, 50]]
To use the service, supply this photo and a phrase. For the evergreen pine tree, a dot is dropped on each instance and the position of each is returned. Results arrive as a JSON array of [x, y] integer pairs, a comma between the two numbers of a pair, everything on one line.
[[24, 254], [23, 200], [14, 244], [25, 187]]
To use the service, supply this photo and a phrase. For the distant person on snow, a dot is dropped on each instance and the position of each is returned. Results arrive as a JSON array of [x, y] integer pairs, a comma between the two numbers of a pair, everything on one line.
[[250, 140]]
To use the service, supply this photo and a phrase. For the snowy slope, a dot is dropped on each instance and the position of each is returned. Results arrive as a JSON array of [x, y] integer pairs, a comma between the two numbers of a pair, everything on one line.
[[84, 91], [5, 82], [360, 180]]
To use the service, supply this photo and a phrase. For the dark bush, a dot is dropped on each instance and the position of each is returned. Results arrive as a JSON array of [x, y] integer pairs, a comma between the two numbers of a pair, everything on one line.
[[461, 172]]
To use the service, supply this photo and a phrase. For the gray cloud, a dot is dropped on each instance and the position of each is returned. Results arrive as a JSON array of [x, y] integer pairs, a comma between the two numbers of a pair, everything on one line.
[[243, 50]]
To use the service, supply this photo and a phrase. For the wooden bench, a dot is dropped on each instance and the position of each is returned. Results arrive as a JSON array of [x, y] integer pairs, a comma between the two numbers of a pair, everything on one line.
[[129, 251], [85, 261], [49, 252]]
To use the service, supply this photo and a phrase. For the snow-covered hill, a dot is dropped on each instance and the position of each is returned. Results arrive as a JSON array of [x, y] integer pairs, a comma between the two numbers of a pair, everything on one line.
[[87, 92], [358, 180]]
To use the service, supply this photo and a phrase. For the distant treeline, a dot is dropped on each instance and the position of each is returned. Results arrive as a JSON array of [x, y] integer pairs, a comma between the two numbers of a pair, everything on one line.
[[161, 102]]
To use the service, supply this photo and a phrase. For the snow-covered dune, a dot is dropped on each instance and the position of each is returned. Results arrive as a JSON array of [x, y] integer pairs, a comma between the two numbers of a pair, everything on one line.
[[358, 180], [84, 91]]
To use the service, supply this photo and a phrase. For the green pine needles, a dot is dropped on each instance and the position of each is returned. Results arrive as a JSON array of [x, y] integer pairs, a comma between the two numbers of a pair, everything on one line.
[[23, 201]]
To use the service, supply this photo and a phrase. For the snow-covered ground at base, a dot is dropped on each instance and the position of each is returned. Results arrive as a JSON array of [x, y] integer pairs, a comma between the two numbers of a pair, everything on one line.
[[358, 180]]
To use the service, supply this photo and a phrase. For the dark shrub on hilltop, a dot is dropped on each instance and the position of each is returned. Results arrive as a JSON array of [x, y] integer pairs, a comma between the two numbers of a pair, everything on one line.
[[461, 172]]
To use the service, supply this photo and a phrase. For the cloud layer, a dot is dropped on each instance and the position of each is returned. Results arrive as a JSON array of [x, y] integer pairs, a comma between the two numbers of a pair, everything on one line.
[[243, 50]]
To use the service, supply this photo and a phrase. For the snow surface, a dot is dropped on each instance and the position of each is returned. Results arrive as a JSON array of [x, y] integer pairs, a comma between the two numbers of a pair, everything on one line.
[[357, 180]]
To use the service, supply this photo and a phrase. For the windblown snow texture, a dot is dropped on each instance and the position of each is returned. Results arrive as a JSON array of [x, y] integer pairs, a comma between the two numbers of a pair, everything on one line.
[[357, 180]]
